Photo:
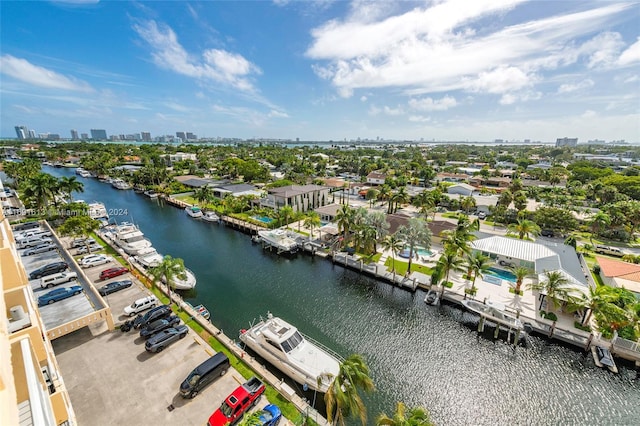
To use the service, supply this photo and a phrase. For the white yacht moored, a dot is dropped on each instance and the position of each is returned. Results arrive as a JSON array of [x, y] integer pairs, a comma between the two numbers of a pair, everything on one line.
[[186, 284], [210, 217], [128, 237], [282, 240], [304, 360], [98, 211], [193, 211], [120, 184], [149, 257]]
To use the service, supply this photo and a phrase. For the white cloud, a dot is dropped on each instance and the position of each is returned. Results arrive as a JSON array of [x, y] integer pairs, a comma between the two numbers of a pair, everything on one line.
[[374, 110], [419, 119], [25, 71], [278, 114], [632, 79], [508, 99], [572, 87], [631, 54], [176, 106], [363, 98], [429, 104], [393, 111], [433, 48], [522, 96], [218, 65]]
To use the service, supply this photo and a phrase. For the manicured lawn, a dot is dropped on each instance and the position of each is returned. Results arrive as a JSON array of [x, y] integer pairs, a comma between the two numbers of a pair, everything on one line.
[[401, 267]]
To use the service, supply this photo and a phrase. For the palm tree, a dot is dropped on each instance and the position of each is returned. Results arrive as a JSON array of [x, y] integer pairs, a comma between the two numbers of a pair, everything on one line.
[[521, 272], [449, 261], [167, 271], [460, 238], [343, 396], [477, 264], [344, 219], [467, 203], [41, 189], [600, 300], [400, 197], [378, 220], [312, 221], [395, 244], [524, 228], [416, 416], [203, 194], [68, 185], [556, 287], [385, 193], [285, 213], [415, 234], [599, 223]]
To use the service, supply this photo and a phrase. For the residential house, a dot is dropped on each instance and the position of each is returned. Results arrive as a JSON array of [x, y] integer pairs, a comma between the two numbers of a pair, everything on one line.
[[461, 189], [301, 198], [616, 273], [376, 178]]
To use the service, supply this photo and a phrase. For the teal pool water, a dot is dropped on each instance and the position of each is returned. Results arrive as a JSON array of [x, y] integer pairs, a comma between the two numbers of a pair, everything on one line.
[[263, 219], [502, 274], [421, 251]]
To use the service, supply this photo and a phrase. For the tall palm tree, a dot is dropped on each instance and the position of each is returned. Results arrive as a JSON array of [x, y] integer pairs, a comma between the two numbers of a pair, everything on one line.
[[524, 228], [343, 396], [395, 244], [40, 190], [203, 195], [68, 185], [416, 416], [312, 221], [385, 193], [168, 271], [599, 223], [400, 197], [556, 287], [344, 219], [378, 220], [449, 261], [459, 239], [600, 300], [415, 234], [477, 264], [467, 203], [521, 272], [285, 213]]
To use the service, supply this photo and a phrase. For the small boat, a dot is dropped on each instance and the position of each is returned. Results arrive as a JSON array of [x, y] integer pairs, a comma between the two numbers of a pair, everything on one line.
[[603, 358], [151, 194], [98, 211], [210, 217], [187, 283], [149, 257], [120, 184], [201, 310], [301, 358], [193, 211], [432, 298]]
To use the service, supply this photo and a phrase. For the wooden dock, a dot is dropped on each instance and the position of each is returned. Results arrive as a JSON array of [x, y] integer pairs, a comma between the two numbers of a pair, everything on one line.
[[241, 225]]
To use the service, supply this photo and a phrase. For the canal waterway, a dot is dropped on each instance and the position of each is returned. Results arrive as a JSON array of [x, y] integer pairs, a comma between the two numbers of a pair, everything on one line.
[[421, 355]]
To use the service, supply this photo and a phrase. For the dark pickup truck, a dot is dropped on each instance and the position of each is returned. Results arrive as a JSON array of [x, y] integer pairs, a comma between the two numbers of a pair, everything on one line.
[[236, 404]]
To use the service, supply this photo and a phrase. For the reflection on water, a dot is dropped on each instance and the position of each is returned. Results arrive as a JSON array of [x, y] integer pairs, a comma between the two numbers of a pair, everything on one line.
[[418, 354]]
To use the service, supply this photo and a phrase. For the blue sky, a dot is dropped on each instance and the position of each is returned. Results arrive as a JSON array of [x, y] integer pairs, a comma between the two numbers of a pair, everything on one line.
[[319, 70]]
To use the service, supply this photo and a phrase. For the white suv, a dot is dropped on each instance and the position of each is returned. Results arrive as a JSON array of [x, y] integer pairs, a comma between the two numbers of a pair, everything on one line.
[[59, 278], [141, 305], [94, 260]]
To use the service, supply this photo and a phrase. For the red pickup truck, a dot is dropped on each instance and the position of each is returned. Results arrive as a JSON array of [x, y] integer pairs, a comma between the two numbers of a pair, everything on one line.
[[236, 404]]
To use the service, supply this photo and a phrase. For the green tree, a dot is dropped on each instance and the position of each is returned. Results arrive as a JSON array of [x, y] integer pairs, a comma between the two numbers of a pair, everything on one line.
[[79, 226], [449, 261], [521, 272], [395, 244], [68, 185], [344, 219], [284, 213], [343, 397], [524, 228], [40, 190], [557, 288], [312, 221], [416, 416], [203, 195], [415, 234], [168, 271], [598, 224], [477, 265]]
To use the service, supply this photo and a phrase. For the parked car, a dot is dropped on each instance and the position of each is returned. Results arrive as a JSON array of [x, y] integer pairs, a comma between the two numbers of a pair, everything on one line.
[[40, 248], [32, 241], [59, 294], [140, 305], [89, 249], [270, 415], [165, 338], [116, 271], [79, 242], [159, 325], [482, 215], [26, 226], [51, 268], [205, 373], [235, 405], [154, 314], [547, 233], [56, 279], [611, 251], [114, 286], [94, 260]]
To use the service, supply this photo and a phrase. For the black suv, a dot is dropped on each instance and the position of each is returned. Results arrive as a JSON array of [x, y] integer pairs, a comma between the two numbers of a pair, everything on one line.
[[114, 286], [51, 268], [143, 320], [547, 233]]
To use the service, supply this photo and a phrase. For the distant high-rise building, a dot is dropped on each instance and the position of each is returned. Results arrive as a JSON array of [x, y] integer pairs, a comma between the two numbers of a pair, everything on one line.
[[32, 134], [84, 136], [74, 134], [191, 136], [98, 134], [566, 142], [181, 135], [146, 136], [22, 132]]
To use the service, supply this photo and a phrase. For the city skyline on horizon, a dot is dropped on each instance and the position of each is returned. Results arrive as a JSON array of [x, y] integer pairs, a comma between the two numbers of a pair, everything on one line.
[[319, 71]]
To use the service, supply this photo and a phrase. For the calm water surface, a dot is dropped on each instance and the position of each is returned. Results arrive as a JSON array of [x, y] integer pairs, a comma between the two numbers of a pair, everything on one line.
[[417, 354]]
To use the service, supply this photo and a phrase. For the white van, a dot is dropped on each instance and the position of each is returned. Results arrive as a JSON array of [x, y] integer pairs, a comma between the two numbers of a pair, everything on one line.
[[32, 241], [141, 305], [59, 278]]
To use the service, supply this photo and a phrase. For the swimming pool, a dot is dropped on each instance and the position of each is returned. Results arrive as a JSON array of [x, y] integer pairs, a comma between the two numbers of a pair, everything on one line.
[[263, 219], [421, 251], [501, 273]]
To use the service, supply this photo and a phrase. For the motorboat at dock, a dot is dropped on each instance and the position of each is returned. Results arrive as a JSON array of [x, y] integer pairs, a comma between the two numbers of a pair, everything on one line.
[[281, 239], [193, 211], [603, 358], [97, 211], [120, 184], [210, 217], [187, 283], [128, 237], [149, 257], [301, 358]]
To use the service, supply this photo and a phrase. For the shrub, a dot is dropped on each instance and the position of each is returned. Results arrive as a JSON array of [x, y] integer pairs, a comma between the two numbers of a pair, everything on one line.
[[471, 291], [447, 284], [551, 316], [579, 326], [596, 269]]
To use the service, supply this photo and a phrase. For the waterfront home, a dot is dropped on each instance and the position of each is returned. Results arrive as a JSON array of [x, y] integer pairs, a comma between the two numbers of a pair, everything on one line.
[[329, 212], [616, 273], [236, 190], [301, 198]]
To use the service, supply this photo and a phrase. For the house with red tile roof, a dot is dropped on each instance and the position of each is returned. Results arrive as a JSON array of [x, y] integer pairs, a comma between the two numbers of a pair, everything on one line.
[[616, 273]]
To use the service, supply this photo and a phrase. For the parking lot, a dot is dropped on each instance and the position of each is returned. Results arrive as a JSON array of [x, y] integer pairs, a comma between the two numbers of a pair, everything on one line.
[[112, 380]]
